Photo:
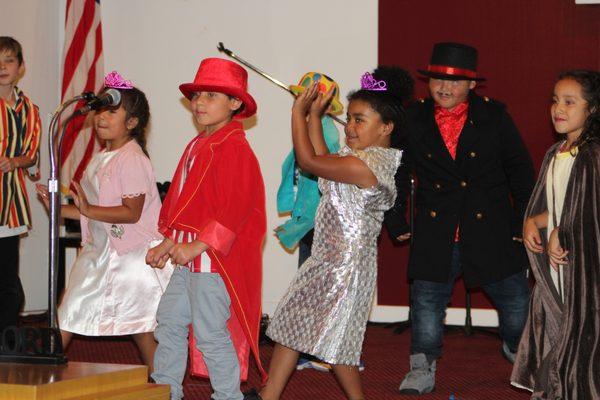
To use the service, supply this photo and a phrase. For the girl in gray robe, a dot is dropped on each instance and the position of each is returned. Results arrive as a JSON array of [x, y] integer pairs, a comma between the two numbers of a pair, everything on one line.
[[559, 353]]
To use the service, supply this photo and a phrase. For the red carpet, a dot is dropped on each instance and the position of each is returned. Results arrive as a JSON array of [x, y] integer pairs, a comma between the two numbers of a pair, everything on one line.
[[471, 368]]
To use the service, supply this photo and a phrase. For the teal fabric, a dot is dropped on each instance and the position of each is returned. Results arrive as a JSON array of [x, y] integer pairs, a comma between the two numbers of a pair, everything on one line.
[[301, 196]]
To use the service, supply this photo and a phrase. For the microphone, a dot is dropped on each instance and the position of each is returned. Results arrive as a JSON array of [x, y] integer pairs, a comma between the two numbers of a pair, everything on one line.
[[110, 98]]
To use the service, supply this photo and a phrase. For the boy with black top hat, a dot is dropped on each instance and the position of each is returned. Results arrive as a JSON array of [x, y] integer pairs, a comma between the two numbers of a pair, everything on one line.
[[469, 161]]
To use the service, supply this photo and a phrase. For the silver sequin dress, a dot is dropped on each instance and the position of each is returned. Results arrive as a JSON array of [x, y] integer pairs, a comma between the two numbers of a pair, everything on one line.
[[324, 312]]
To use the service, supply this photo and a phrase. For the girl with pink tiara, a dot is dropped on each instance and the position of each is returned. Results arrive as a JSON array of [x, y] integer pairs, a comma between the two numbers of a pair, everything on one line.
[[559, 353], [324, 312], [111, 291]]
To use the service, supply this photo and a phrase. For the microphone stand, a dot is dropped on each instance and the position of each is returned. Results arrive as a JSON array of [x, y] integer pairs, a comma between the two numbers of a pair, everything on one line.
[[33, 345], [54, 146]]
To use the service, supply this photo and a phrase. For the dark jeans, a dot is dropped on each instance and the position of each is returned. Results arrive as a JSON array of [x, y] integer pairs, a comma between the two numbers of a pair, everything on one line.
[[430, 299], [11, 291], [304, 247]]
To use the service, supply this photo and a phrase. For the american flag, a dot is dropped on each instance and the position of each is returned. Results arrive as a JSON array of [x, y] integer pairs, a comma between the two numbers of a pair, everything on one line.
[[83, 71]]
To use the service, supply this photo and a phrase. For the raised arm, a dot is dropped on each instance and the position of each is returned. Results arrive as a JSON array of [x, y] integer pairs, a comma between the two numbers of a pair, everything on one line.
[[340, 169], [315, 126]]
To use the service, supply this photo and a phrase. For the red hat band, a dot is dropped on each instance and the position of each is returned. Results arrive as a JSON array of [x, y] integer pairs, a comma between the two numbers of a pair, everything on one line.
[[446, 70]]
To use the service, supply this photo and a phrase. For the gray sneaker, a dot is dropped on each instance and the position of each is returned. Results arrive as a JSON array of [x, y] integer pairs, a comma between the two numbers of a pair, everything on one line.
[[509, 355], [421, 377]]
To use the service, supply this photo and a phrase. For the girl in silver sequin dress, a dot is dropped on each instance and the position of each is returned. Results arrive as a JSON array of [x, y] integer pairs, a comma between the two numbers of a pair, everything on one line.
[[324, 312]]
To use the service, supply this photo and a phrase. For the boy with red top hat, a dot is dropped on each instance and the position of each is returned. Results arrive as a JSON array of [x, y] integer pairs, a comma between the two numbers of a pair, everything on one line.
[[213, 220], [474, 178]]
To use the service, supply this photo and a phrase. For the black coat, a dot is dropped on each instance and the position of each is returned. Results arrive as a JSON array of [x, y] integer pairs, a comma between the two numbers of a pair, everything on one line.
[[484, 191]]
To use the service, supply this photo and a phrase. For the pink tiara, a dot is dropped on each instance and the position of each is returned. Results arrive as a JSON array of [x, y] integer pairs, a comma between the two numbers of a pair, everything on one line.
[[115, 80], [367, 82]]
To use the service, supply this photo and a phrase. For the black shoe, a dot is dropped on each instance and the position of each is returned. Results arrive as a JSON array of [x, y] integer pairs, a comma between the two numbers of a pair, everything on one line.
[[252, 394]]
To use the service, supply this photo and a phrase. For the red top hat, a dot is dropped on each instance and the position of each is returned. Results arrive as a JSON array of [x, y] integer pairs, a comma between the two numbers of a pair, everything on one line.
[[223, 76]]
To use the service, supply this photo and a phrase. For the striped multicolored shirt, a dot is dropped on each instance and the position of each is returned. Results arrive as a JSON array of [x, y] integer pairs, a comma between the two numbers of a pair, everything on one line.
[[20, 131]]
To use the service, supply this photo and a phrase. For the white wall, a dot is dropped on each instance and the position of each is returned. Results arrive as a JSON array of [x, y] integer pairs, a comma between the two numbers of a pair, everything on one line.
[[158, 44], [34, 23]]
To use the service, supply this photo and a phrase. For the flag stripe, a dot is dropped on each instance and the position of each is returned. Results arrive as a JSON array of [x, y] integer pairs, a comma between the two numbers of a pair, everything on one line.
[[90, 86], [89, 152], [72, 18], [86, 62], [83, 71], [68, 9], [77, 46]]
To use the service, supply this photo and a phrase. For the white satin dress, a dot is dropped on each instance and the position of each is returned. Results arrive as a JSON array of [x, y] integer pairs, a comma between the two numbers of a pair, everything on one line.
[[108, 294]]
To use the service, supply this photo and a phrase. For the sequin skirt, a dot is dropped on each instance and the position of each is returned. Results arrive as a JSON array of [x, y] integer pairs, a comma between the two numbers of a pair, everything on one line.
[[325, 310]]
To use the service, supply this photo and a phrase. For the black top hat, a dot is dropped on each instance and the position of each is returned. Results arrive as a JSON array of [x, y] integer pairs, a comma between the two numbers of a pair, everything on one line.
[[453, 61]]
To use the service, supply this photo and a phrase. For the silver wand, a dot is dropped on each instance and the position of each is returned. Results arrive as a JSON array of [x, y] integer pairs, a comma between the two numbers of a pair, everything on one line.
[[282, 85]]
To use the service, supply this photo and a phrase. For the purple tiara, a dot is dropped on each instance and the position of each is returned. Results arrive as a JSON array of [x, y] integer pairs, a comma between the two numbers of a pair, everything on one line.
[[116, 81], [367, 82]]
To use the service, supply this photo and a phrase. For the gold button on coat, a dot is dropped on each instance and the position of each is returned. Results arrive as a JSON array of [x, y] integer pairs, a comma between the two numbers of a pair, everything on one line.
[[428, 155], [479, 215], [472, 154], [437, 186], [463, 183], [433, 214]]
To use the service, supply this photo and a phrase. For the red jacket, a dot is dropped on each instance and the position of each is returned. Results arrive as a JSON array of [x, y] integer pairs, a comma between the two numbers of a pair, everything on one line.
[[223, 203]]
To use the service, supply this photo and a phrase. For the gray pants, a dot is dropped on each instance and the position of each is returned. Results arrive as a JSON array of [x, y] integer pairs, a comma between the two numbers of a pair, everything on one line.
[[200, 299]]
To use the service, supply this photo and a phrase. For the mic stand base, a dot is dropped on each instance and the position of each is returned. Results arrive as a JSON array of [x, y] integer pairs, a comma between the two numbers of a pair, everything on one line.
[[53, 359]]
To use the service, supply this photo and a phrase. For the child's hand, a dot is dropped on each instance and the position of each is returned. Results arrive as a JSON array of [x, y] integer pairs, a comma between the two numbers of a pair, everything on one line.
[[321, 102], [403, 237], [156, 259], [531, 236], [305, 99], [80, 199], [183, 253], [43, 194], [158, 255], [7, 164], [557, 255]]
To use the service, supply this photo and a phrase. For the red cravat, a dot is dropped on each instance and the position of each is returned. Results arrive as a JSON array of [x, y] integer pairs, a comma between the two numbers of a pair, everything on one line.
[[450, 124]]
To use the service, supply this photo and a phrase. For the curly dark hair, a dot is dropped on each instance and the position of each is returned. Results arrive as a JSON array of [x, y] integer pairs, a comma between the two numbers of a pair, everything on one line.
[[389, 103], [136, 105], [590, 87]]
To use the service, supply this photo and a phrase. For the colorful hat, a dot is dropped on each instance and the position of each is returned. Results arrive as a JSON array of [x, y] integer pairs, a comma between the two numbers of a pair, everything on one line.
[[325, 84], [223, 76], [453, 61]]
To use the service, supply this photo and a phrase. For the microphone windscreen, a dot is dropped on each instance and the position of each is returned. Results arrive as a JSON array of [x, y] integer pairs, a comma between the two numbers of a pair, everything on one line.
[[115, 97]]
